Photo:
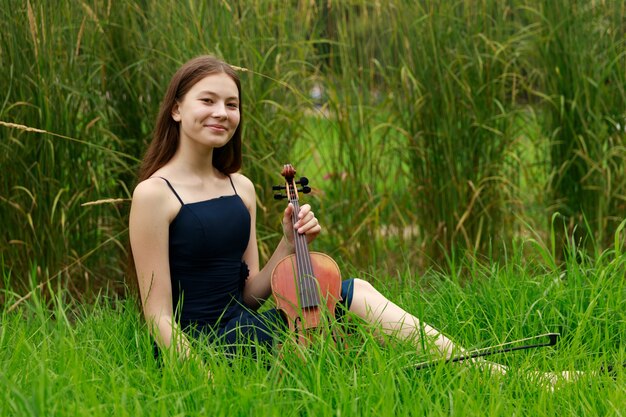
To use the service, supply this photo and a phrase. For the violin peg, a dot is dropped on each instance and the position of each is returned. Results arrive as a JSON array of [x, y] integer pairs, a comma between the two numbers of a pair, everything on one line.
[[279, 196], [278, 187], [305, 190], [303, 181]]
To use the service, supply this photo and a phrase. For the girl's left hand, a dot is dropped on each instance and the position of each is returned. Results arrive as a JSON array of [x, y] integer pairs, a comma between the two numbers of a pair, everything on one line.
[[307, 223]]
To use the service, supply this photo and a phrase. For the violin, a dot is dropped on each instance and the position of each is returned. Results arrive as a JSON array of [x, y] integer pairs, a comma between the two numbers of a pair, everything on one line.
[[306, 286]]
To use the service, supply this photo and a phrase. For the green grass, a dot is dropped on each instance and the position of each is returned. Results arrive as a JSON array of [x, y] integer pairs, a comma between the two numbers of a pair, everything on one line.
[[61, 357]]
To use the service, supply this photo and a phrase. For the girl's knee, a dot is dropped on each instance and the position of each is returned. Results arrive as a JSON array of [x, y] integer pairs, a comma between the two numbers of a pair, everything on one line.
[[362, 287]]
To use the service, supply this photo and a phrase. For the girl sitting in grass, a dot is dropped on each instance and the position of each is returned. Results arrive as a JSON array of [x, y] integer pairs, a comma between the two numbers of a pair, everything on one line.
[[193, 229]]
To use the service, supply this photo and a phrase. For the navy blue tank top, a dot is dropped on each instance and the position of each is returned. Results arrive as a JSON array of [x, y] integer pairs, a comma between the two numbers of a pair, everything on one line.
[[207, 240]]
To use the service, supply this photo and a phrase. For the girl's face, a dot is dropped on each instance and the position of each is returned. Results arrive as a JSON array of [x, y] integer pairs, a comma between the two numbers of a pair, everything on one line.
[[209, 113]]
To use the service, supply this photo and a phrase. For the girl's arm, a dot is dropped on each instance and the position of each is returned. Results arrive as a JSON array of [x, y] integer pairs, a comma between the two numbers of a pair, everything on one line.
[[153, 207], [258, 287]]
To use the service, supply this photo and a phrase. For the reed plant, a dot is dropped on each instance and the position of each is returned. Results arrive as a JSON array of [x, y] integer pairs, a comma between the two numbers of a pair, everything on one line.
[[49, 83], [417, 148], [578, 52], [456, 70]]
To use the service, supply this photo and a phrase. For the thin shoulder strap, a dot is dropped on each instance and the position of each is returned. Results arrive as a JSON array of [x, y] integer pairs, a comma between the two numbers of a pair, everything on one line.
[[231, 183], [173, 190]]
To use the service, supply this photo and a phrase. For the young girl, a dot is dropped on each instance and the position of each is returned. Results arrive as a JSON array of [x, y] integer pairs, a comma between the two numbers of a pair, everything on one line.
[[193, 227]]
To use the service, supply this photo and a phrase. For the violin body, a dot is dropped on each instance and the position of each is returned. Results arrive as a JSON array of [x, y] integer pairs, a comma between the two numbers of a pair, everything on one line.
[[286, 293], [306, 285]]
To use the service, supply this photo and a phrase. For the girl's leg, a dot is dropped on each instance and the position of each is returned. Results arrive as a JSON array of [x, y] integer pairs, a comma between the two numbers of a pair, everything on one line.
[[369, 304]]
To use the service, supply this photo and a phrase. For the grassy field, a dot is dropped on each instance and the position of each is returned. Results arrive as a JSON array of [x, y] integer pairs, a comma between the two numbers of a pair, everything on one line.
[[60, 357], [468, 157]]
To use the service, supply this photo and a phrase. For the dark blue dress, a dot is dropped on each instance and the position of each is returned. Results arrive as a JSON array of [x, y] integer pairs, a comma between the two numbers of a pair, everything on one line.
[[207, 240]]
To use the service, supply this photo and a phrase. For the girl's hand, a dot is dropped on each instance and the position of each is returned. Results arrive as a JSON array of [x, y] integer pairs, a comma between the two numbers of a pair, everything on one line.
[[307, 224]]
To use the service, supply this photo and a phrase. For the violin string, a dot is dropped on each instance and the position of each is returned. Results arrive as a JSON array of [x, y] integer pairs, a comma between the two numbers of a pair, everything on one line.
[[302, 287], [304, 259], [306, 262], [300, 268], [310, 283], [312, 289], [294, 216]]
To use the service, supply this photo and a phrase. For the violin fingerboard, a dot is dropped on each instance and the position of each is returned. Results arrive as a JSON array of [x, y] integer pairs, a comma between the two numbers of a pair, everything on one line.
[[308, 291]]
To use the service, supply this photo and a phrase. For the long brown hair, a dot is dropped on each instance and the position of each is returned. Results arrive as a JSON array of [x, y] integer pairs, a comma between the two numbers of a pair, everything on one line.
[[166, 137]]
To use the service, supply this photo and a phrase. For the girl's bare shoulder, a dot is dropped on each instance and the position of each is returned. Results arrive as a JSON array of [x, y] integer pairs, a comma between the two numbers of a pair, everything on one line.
[[153, 188], [245, 188], [154, 195]]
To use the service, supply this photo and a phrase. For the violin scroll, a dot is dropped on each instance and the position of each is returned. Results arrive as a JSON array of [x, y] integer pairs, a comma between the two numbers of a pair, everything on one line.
[[289, 172]]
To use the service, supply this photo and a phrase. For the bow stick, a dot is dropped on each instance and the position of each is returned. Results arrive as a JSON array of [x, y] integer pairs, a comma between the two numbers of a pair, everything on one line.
[[493, 350]]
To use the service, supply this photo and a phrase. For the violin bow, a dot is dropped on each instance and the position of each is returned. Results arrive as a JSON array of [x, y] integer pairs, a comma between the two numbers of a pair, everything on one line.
[[493, 350]]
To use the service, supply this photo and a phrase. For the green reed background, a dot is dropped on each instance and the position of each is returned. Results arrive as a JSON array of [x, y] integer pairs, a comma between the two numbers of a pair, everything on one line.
[[441, 127]]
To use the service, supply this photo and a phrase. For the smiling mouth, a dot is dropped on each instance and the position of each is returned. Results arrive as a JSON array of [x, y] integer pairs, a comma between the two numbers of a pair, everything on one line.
[[216, 127]]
